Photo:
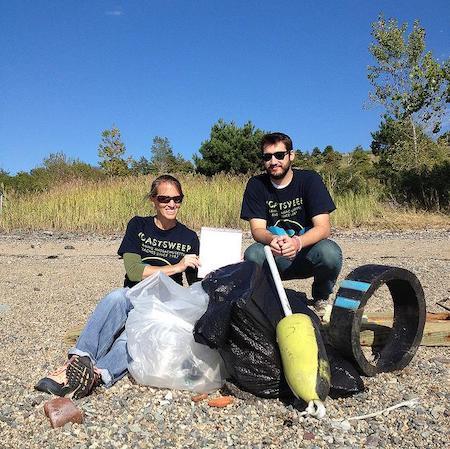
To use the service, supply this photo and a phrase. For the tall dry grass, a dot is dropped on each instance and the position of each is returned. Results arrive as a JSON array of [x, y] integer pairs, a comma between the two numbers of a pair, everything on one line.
[[105, 207]]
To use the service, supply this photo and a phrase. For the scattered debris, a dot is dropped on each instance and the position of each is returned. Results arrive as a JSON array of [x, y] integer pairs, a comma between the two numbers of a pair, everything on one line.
[[61, 411], [444, 306], [199, 397], [221, 401], [410, 403]]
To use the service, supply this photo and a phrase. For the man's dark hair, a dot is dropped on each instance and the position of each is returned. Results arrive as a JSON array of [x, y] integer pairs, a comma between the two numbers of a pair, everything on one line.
[[274, 138]]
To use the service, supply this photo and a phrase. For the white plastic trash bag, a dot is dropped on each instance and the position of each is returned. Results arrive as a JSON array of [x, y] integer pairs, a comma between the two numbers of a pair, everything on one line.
[[160, 340]]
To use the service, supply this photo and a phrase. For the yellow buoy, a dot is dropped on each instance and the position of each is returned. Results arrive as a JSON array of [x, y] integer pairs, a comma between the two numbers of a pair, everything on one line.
[[303, 354], [305, 365]]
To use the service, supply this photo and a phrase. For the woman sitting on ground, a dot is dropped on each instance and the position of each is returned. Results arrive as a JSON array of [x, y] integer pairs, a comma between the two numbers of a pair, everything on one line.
[[150, 244]]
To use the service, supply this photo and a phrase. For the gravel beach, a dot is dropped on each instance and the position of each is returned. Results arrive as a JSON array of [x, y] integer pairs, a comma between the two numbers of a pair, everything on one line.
[[51, 282]]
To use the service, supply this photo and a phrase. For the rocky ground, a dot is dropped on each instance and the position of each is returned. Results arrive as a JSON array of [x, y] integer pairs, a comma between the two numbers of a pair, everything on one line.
[[51, 282]]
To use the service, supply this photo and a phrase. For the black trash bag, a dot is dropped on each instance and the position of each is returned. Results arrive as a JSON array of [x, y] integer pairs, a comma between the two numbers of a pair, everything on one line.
[[345, 378], [241, 319]]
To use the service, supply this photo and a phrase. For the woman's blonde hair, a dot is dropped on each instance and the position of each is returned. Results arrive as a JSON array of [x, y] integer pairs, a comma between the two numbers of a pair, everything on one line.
[[164, 178]]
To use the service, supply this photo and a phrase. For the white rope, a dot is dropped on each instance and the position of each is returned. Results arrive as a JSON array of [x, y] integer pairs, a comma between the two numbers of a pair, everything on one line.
[[410, 403], [315, 409]]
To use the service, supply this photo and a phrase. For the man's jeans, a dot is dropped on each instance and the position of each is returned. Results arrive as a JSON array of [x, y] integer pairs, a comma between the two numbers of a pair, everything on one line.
[[104, 339], [323, 261]]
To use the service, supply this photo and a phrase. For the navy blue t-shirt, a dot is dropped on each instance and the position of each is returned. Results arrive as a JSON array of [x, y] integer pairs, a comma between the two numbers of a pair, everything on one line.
[[158, 247], [291, 207]]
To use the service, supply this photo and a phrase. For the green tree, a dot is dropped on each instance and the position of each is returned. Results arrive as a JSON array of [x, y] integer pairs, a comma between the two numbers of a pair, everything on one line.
[[360, 160], [331, 157], [359, 174], [181, 165], [164, 161], [141, 167], [230, 148], [60, 168], [162, 155], [303, 160], [330, 168], [411, 85], [111, 151]]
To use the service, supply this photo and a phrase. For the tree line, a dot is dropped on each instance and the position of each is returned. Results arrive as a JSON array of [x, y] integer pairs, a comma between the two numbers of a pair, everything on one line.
[[408, 161]]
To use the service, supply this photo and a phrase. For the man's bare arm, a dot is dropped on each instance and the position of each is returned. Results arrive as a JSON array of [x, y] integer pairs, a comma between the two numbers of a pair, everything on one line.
[[321, 230]]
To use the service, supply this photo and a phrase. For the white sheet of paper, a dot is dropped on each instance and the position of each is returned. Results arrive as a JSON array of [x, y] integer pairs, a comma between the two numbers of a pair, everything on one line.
[[218, 247]]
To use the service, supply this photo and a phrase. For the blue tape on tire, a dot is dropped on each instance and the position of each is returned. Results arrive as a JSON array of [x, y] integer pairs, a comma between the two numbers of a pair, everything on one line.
[[346, 303], [355, 285]]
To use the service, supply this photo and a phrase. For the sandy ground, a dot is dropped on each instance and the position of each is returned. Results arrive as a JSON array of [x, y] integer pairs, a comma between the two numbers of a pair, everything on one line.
[[51, 282]]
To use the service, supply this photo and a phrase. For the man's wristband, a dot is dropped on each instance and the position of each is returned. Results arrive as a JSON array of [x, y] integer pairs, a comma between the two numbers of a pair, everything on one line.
[[296, 237]]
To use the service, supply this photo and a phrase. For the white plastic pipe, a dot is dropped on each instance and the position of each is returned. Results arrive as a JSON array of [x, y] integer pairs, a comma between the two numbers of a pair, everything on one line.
[[278, 284], [315, 408]]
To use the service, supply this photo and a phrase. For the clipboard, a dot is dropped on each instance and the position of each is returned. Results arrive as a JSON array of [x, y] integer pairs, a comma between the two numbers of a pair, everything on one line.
[[218, 247]]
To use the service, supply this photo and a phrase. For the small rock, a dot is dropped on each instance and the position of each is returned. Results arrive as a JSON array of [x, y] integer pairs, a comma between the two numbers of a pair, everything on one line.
[[136, 428], [436, 411], [32, 246], [49, 233], [363, 396], [4, 308], [419, 423], [409, 396], [36, 400], [168, 396], [373, 440], [52, 257], [441, 360], [36, 289], [420, 410], [342, 425], [39, 274], [69, 247], [308, 436]]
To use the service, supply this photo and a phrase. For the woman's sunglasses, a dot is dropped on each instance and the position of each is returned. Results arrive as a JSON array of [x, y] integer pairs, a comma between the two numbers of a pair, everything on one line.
[[163, 199], [278, 155]]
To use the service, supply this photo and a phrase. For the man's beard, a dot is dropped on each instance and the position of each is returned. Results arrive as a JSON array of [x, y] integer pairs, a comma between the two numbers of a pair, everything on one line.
[[279, 175]]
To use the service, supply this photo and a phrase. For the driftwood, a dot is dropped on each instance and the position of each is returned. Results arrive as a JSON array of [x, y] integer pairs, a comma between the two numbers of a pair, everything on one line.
[[374, 332]]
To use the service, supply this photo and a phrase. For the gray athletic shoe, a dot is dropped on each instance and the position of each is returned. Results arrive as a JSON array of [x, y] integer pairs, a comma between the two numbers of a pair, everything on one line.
[[318, 305]]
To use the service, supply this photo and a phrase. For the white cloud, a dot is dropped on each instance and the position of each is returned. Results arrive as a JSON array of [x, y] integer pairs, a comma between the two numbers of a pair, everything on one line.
[[115, 12]]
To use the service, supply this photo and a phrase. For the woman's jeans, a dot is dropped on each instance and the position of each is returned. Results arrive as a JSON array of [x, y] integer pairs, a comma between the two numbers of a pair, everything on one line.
[[323, 261], [104, 339]]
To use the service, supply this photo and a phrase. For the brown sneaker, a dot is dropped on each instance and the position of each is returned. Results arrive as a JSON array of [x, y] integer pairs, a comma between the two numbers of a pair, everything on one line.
[[75, 379]]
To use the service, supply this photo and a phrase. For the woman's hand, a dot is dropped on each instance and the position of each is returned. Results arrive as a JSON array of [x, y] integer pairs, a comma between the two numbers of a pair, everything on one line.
[[188, 261]]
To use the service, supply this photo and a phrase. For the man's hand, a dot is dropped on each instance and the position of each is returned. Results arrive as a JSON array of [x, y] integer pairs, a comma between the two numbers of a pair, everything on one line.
[[290, 246], [275, 245]]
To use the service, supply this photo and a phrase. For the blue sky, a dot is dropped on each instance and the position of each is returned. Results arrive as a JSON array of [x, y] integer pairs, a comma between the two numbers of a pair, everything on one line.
[[174, 67]]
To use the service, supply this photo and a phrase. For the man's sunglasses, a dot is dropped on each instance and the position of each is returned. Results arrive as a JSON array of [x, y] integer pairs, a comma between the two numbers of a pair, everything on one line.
[[278, 155], [163, 199]]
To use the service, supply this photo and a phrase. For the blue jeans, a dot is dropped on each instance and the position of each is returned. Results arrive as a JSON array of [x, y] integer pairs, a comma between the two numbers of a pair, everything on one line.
[[323, 261], [104, 339]]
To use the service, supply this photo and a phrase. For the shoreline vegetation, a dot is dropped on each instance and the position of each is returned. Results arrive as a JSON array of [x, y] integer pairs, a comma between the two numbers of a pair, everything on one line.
[[104, 207]]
